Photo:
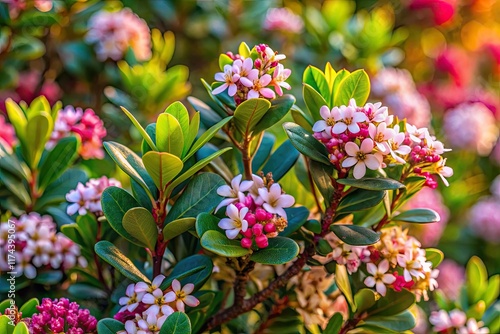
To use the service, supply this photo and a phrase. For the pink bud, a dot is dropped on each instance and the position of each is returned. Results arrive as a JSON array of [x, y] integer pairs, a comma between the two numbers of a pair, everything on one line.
[[250, 218], [248, 233], [261, 241], [261, 214], [257, 229], [258, 63], [246, 243], [270, 228], [239, 205]]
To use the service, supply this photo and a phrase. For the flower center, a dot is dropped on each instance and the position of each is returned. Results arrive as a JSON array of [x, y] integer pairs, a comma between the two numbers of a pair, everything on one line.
[[132, 299], [330, 122], [348, 120], [180, 294], [237, 223], [379, 138], [361, 156]]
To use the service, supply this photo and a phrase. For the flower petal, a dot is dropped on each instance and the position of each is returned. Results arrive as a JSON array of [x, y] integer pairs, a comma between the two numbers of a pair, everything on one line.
[[359, 170], [191, 301], [350, 161], [339, 128], [188, 288], [372, 162], [370, 281], [352, 149], [176, 285], [231, 234]]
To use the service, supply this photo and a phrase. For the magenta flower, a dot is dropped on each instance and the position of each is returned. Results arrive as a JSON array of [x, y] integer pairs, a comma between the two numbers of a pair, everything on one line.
[[229, 79]]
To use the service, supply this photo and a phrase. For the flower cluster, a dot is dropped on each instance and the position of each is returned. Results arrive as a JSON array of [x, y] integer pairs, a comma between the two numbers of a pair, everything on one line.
[[86, 125], [255, 210], [396, 261], [7, 135], [283, 20], [87, 198], [367, 137], [483, 215], [471, 126], [62, 316], [456, 319], [145, 307], [396, 89], [114, 32], [248, 78], [38, 246], [451, 278]]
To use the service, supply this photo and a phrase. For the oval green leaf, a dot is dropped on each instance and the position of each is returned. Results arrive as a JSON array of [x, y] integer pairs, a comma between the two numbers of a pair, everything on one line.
[[219, 244], [418, 216], [280, 250], [355, 86], [169, 136], [342, 281], [249, 113], [139, 222], [305, 143], [355, 235], [372, 183], [109, 326], [360, 199], [176, 323], [314, 101], [162, 167], [177, 227]]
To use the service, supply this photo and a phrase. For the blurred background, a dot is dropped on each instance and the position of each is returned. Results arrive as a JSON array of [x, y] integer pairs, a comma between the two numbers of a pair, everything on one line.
[[435, 62]]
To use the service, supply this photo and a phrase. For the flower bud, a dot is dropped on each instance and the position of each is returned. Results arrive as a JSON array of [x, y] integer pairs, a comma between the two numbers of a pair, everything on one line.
[[239, 206], [261, 214], [248, 233], [269, 228], [250, 218], [257, 229], [246, 243], [261, 241]]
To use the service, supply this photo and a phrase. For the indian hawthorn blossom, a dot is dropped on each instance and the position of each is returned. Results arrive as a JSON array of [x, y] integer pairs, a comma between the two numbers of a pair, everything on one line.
[[229, 80], [283, 20], [87, 198], [362, 157], [236, 221], [379, 277], [181, 295], [275, 201]]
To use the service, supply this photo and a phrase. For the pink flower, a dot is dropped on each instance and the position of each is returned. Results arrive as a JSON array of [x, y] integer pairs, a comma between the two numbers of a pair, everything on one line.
[[236, 221], [158, 302], [81, 198], [275, 201], [330, 117], [131, 300], [7, 135], [379, 277], [235, 192], [443, 171], [145, 287], [182, 296], [229, 80], [244, 69], [484, 219], [451, 278], [473, 327], [442, 10], [380, 135], [279, 76], [361, 157], [284, 20], [349, 120], [259, 87]]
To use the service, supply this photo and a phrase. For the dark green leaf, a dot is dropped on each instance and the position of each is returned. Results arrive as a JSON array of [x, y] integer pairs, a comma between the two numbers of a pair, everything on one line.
[[281, 250], [177, 227], [364, 299], [334, 324], [262, 154], [195, 269], [282, 160], [58, 160], [393, 303], [296, 218], [355, 235], [322, 176], [306, 144], [372, 183], [399, 322], [205, 137], [219, 244], [279, 108], [208, 116], [109, 326], [50, 277], [84, 291], [206, 222], [419, 216], [360, 199], [176, 323], [301, 118]]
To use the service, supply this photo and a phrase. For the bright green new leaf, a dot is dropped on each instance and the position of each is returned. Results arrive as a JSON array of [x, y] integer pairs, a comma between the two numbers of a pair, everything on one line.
[[418, 216], [364, 299], [17, 118], [140, 223], [139, 128], [355, 235], [177, 227], [315, 78], [281, 250], [314, 101], [194, 127], [219, 244], [249, 113], [305, 143], [112, 255], [205, 137], [342, 281], [162, 167], [21, 328], [477, 279], [176, 323], [356, 86], [39, 105], [334, 324], [330, 75], [244, 50], [224, 60], [179, 111], [38, 132], [169, 136], [29, 308], [341, 75]]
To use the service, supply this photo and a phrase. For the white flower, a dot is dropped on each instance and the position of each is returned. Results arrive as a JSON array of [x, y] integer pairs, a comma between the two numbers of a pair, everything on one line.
[[229, 80], [236, 221], [233, 193], [181, 296], [349, 121], [361, 158], [275, 201], [441, 320], [380, 135], [376, 113], [81, 198], [395, 145], [411, 266], [131, 299], [330, 117], [145, 287], [379, 278], [473, 328], [258, 183], [158, 303]]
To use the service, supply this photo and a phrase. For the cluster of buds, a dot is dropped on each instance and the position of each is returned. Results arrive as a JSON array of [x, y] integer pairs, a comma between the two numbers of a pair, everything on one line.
[[87, 198], [37, 245], [84, 124], [368, 137], [145, 307], [114, 32], [255, 210], [252, 77], [62, 316], [457, 321], [396, 261]]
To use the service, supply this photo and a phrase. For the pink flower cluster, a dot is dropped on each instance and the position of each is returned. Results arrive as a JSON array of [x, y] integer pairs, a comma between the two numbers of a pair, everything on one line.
[[471, 126], [87, 198], [367, 137], [255, 210], [145, 307], [456, 319], [396, 261], [483, 216], [114, 32], [283, 20], [7, 135], [248, 78], [62, 316], [396, 89], [37, 245], [86, 125], [451, 278]]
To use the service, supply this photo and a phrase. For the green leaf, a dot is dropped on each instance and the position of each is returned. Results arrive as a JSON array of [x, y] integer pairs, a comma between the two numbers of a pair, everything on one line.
[[341, 75], [109, 326], [297, 217], [219, 244], [194, 127], [29, 308], [399, 322], [139, 128], [140, 223], [263, 152], [87, 292], [323, 247], [279, 108], [356, 86], [16, 187], [205, 137], [21, 328], [306, 144], [322, 176], [477, 279], [50, 277], [224, 60], [360, 199], [314, 77], [282, 160], [244, 50], [372, 183], [57, 161], [199, 196], [434, 255], [301, 118], [38, 131], [194, 169], [112, 255], [206, 222], [249, 113], [314, 101], [355, 235], [195, 269], [177, 227], [334, 324], [393, 303], [176, 323], [342, 281], [132, 165], [73, 232], [208, 116], [179, 111], [364, 299], [419, 216], [330, 75], [162, 167], [280, 250], [169, 136], [17, 118], [492, 291]]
